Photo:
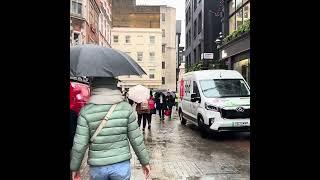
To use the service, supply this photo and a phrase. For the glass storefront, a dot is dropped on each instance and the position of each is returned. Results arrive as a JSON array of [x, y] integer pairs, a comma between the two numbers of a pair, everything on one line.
[[243, 67]]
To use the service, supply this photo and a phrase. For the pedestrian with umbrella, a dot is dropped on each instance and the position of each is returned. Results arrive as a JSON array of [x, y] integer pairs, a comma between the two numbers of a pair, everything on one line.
[[140, 95], [107, 125]]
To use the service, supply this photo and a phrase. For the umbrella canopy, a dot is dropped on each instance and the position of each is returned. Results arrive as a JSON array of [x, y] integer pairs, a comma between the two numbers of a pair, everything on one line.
[[97, 61], [139, 93]]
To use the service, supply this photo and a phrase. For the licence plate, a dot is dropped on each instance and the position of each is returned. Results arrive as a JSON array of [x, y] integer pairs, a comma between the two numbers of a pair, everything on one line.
[[239, 124]]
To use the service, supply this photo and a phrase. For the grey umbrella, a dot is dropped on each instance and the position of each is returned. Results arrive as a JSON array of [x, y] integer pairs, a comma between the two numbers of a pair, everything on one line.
[[97, 61]]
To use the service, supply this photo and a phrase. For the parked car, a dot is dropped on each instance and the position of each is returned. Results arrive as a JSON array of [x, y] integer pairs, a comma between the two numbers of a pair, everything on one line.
[[215, 100]]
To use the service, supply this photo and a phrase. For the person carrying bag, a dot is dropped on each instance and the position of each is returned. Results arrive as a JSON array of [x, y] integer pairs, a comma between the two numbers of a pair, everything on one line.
[[111, 124]]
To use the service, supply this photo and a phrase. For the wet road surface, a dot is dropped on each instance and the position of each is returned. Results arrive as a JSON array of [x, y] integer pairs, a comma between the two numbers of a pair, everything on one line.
[[178, 152]]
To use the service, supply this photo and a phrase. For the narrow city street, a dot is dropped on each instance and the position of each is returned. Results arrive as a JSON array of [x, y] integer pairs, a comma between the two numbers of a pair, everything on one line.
[[178, 152]]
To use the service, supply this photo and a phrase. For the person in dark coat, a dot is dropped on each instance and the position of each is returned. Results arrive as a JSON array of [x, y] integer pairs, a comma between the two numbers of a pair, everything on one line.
[[160, 104], [169, 103]]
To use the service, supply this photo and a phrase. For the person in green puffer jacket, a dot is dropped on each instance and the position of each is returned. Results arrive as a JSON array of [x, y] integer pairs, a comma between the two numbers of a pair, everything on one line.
[[110, 150]]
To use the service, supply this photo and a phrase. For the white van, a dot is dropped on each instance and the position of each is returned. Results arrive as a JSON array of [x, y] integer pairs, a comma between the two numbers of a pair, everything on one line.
[[215, 100]]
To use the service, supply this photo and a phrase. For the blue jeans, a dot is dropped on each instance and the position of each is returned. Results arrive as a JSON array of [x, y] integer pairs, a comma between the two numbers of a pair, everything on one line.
[[118, 171]]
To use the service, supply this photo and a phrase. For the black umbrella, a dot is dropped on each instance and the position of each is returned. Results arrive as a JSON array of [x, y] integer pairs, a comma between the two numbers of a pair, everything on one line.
[[170, 93], [97, 61]]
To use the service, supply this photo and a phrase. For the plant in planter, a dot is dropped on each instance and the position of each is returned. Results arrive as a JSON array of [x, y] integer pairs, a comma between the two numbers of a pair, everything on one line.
[[244, 28]]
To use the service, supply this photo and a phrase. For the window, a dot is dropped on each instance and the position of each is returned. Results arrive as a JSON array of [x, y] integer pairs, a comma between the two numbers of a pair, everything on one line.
[[246, 12], [195, 3], [195, 55], [163, 33], [163, 80], [189, 37], [139, 56], [239, 19], [187, 40], [76, 7], [194, 28], [76, 38], [232, 24], [199, 23], [189, 13], [199, 50], [195, 89], [243, 68], [224, 88], [152, 56], [151, 75], [163, 48], [116, 39], [152, 39], [239, 12], [187, 61], [163, 65], [163, 16], [128, 39], [238, 4]]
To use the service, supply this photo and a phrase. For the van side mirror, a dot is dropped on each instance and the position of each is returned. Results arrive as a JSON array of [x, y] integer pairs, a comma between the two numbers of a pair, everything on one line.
[[195, 98]]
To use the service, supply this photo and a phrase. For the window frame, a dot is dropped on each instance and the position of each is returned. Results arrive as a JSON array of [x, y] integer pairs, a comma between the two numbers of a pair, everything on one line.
[[199, 22], [117, 38], [77, 2], [163, 48], [234, 13], [153, 76], [195, 27], [154, 56], [141, 53], [154, 39], [127, 39]]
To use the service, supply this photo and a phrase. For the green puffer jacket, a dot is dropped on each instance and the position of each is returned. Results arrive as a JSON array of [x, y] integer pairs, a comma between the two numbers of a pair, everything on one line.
[[112, 143]]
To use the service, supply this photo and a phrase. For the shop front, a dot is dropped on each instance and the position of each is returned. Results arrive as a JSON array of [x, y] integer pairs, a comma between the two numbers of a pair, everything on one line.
[[236, 55]]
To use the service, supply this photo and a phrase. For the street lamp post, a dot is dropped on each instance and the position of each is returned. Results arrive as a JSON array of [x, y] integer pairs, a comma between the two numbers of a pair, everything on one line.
[[219, 42]]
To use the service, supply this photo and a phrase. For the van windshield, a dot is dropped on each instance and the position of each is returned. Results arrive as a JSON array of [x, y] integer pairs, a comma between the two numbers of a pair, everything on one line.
[[224, 88]]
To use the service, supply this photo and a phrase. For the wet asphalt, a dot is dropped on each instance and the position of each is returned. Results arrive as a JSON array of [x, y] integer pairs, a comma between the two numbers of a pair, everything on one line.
[[179, 153]]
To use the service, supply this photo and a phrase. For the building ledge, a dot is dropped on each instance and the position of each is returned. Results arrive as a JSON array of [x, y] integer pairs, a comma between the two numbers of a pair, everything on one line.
[[230, 43], [77, 16]]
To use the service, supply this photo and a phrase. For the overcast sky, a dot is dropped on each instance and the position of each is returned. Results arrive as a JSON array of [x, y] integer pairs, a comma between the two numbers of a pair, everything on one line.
[[178, 4]]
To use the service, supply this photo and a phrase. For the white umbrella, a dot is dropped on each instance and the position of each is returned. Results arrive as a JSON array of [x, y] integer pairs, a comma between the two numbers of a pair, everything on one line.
[[139, 93]]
